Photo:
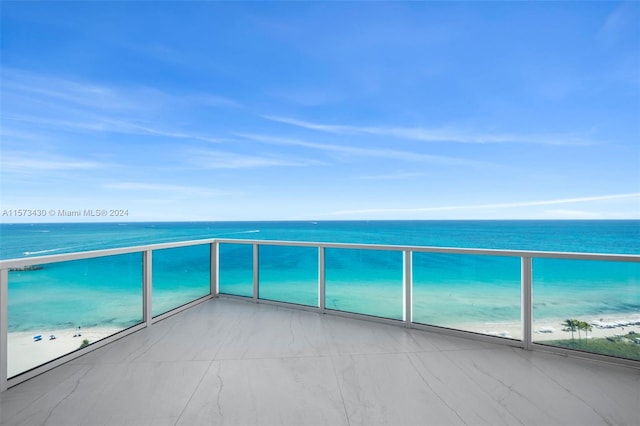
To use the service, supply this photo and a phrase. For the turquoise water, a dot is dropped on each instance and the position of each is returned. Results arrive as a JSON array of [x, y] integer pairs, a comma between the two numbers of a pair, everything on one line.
[[449, 289]]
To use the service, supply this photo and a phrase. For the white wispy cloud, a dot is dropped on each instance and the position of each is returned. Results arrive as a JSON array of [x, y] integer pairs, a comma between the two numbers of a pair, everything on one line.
[[45, 88], [106, 125], [516, 204], [623, 18], [10, 133], [215, 159], [366, 152], [156, 187], [143, 129], [43, 100], [392, 176], [214, 100], [307, 97], [28, 162], [436, 135]]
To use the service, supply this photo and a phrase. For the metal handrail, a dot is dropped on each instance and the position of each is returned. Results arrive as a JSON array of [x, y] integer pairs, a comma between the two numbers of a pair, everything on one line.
[[42, 260], [526, 257]]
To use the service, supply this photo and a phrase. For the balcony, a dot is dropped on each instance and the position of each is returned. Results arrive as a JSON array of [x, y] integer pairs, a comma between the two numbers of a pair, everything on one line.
[[244, 354]]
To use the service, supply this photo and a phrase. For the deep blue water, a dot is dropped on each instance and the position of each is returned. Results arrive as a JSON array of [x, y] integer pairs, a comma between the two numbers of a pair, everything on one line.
[[615, 236]]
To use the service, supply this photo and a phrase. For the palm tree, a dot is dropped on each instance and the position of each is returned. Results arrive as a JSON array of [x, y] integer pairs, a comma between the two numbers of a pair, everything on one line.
[[578, 329], [586, 327], [570, 325]]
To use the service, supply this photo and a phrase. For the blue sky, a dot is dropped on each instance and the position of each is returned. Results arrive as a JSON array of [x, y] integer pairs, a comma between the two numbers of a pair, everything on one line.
[[321, 111]]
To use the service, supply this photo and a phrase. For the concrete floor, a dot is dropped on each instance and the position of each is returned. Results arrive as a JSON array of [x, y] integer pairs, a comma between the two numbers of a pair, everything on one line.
[[228, 362]]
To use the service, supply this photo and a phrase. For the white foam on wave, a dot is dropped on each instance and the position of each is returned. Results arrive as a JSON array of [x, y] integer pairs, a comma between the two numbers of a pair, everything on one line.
[[239, 232], [29, 253]]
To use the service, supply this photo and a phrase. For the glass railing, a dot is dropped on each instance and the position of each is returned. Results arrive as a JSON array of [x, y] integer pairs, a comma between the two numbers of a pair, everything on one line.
[[180, 275], [587, 305], [366, 282], [236, 269], [55, 307], [289, 274], [477, 293]]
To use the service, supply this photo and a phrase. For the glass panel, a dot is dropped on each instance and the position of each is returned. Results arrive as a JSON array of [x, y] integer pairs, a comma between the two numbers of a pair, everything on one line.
[[468, 292], [236, 269], [364, 281], [289, 274], [180, 275], [587, 305], [58, 308]]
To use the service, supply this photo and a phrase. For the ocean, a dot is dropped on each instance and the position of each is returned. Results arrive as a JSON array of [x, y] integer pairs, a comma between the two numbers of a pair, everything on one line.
[[449, 290], [607, 236]]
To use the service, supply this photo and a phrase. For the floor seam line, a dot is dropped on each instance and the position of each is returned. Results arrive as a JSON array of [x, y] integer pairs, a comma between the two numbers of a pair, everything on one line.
[[344, 405], [194, 392]]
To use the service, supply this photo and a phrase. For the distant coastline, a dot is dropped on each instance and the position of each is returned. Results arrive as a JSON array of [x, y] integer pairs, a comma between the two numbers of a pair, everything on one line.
[[26, 268]]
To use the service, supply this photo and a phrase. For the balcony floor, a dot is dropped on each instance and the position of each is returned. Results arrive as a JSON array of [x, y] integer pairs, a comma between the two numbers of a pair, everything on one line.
[[228, 362]]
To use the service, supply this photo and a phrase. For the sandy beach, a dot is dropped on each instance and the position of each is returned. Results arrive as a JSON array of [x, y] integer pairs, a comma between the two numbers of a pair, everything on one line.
[[25, 352], [552, 328]]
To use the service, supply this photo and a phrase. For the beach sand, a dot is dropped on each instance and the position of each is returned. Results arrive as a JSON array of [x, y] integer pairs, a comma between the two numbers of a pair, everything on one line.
[[24, 353], [552, 328]]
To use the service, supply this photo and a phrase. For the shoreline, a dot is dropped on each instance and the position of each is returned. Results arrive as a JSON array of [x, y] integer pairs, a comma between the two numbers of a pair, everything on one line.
[[552, 329], [25, 352]]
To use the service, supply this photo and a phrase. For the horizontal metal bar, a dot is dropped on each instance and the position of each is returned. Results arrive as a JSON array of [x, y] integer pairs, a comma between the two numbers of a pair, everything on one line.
[[42, 260], [288, 305], [468, 335], [364, 317], [449, 250], [79, 255], [446, 250], [181, 308], [586, 355]]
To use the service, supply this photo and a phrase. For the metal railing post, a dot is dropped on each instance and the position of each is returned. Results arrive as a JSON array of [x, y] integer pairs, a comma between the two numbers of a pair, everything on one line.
[[321, 279], [527, 301], [214, 282], [147, 286], [256, 272], [4, 317], [407, 288]]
